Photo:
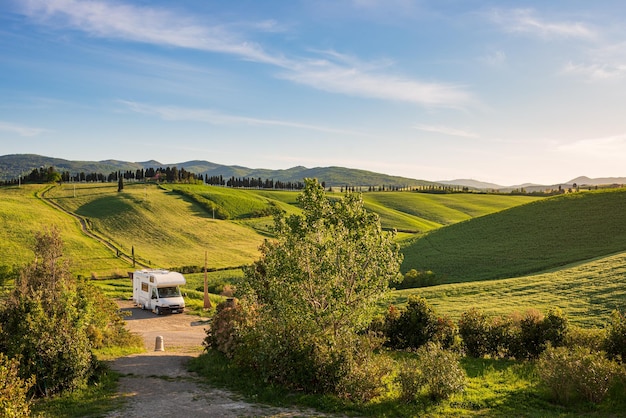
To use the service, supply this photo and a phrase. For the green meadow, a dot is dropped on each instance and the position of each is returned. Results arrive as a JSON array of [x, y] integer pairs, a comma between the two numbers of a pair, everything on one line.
[[526, 239], [565, 251], [22, 214], [587, 292], [165, 229], [503, 254]]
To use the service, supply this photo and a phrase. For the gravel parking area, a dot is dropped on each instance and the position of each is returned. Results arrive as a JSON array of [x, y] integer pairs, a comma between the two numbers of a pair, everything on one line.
[[157, 383]]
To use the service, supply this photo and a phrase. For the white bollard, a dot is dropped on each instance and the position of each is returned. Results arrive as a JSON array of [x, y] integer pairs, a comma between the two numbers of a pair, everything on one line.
[[158, 346]]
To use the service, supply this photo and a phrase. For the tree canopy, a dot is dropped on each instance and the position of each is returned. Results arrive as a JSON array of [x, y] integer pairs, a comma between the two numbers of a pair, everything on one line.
[[315, 289]]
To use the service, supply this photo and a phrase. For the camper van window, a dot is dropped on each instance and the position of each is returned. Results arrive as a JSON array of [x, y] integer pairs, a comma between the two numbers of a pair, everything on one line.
[[169, 292], [154, 294], [144, 287]]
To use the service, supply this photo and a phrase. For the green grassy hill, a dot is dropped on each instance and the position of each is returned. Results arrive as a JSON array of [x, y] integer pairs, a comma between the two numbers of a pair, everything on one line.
[[173, 226], [165, 229], [22, 214], [525, 239], [586, 292], [422, 212]]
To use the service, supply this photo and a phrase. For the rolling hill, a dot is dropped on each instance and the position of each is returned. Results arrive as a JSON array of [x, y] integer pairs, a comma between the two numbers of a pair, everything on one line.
[[525, 239], [172, 225]]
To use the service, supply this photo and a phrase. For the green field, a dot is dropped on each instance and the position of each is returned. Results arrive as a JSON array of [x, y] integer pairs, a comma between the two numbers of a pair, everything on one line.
[[422, 212], [525, 239], [173, 225], [473, 238], [165, 229], [586, 292], [22, 214]]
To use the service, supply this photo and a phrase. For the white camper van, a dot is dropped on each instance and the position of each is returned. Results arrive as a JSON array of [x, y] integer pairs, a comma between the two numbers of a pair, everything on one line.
[[158, 290]]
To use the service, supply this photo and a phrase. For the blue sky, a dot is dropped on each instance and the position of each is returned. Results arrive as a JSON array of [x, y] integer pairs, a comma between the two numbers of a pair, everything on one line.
[[499, 91]]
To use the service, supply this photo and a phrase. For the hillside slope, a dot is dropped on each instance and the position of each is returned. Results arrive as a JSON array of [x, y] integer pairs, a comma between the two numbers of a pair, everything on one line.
[[165, 229], [22, 214], [524, 239], [586, 292]]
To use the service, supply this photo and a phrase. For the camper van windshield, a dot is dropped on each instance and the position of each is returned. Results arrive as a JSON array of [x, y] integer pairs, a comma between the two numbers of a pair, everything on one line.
[[169, 292]]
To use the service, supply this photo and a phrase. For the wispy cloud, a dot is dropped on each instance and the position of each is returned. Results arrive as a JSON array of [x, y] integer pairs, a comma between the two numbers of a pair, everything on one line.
[[596, 71], [145, 24], [21, 130], [214, 117], [526, 21], [445, 130], [604, 62], [158, 26], [333, 76]]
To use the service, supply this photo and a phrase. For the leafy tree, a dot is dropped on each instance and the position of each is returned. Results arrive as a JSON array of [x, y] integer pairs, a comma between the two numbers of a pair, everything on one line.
[[120, 183], [50, 322], [315, 288]]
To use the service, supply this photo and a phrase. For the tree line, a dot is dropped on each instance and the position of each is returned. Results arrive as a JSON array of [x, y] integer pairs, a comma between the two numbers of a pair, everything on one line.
[[167, 174]]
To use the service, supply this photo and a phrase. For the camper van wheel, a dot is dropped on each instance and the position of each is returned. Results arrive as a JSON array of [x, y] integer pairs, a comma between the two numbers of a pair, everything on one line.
[[157, 311]]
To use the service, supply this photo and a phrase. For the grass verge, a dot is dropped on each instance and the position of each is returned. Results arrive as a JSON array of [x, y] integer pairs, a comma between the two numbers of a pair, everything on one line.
[[496, 388]]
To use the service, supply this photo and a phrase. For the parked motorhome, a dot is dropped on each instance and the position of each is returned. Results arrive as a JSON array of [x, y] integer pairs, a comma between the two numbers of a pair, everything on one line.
[[158, 290]]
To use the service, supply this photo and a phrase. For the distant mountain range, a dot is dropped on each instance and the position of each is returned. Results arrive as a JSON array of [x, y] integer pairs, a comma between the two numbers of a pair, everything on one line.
[[14, 165]]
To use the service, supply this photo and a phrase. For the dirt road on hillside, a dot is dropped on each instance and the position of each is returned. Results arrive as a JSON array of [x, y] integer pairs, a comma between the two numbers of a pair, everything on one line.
[[157, 383]]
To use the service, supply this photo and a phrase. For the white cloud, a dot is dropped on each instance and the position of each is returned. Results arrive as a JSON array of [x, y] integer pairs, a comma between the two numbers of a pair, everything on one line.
[[214, 117], [526, 21], [446, 131], [20, 130], [356, 80], [596, 71], [157, 26], [145, 24]]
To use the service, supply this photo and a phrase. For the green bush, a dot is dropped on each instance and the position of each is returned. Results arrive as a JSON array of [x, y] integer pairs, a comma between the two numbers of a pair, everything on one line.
[[14, 401], [416, 325], [520, 337], [576, 373], [436, 371], [50, 342], [224, 334], [474, 330], [615, 343], [410, 379], [590, 338], [441, 371]]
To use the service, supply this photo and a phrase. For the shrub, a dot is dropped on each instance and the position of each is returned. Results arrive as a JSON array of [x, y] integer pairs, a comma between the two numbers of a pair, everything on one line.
[[591, 338], [410, 379], [577, 373], [441, 371], [522, 338], [13, 390], [51, 345], [416, 325], [615, 343], [224, 333], [474, 330], [366, 372], [436, 371]]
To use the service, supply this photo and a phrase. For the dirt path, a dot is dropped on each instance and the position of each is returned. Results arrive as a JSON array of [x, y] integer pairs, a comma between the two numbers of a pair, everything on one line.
[[156, 383]]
